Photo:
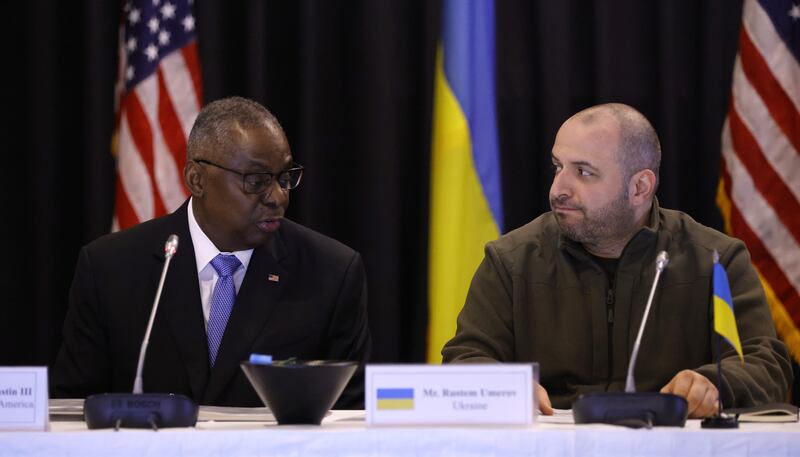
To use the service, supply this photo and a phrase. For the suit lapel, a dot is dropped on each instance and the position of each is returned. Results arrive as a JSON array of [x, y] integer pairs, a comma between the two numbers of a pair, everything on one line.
[[181, 305], [262, 286]]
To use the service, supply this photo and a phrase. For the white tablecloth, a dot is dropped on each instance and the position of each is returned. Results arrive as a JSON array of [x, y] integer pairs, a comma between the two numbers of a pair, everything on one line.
[[344, 433]]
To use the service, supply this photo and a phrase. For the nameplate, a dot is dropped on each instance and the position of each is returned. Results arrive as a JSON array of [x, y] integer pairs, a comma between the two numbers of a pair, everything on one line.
[[23, 398], [450, 394]]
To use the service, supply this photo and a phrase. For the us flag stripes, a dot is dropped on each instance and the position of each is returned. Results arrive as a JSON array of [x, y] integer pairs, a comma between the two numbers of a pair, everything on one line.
[[759, 191], [159, 94]]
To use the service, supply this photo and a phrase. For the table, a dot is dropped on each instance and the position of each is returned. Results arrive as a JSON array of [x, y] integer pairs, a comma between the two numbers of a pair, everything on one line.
[[345, 433]]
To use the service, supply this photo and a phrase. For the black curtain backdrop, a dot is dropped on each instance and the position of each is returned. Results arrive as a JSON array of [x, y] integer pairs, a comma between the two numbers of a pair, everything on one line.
[[351, 82]]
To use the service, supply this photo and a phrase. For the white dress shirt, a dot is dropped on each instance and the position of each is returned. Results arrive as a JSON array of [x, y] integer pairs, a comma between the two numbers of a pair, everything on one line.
[[204, 252]]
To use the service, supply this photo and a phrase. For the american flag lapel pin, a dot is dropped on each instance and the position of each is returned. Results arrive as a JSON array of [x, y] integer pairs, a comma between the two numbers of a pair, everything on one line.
[[273, 278]]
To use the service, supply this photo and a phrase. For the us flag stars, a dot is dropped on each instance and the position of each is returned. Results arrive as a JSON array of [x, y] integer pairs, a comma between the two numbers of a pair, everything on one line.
[[168, 11], [188, 23], [794, 12], [152, 30]]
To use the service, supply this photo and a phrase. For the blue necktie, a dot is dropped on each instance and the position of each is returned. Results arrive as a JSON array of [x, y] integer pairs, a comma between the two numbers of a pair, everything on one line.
[[222, 300]]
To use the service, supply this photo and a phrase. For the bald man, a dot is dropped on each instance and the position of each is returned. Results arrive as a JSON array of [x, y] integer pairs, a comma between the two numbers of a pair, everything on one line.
[[568, 289]]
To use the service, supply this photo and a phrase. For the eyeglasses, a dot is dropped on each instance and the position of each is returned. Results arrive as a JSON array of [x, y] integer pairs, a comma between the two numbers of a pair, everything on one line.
[[256, 183]]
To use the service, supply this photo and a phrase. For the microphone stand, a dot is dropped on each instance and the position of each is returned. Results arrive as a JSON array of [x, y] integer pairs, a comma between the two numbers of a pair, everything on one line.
[[631, 408], [137, 409]]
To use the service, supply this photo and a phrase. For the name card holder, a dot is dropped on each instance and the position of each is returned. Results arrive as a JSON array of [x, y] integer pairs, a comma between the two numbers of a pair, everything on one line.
[[24, 398], [459, 394]]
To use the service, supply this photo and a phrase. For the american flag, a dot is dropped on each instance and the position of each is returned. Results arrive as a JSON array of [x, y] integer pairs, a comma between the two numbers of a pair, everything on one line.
[[159, 94], [759, 192]]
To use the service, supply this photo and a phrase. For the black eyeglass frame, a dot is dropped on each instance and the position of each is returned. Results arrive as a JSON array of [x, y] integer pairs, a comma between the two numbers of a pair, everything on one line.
[[269, 175]]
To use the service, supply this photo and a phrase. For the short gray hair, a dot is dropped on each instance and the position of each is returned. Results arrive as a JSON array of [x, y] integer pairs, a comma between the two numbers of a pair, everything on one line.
[[220, 120], [639, 147]]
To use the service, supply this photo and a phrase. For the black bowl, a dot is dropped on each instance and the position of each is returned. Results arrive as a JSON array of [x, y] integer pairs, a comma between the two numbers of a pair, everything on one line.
[[299, 392]]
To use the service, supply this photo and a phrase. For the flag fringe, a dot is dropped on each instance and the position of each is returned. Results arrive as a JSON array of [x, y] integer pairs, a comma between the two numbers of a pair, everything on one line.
[[784, 325]]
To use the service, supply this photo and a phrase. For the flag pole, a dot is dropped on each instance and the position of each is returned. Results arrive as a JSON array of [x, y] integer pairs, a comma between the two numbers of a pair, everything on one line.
[[719, 373]]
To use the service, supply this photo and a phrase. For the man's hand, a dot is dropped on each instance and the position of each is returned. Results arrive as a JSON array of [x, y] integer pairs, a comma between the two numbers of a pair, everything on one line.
[[544, 400], [698, 390]]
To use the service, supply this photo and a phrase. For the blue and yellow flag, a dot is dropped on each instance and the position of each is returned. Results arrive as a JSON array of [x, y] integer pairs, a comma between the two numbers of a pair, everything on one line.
[[724, 317], [402, 398], [466, 199]]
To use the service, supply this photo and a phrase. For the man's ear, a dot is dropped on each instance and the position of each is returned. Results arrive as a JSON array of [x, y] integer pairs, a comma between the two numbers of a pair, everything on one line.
[[194, 177], [642, 187]]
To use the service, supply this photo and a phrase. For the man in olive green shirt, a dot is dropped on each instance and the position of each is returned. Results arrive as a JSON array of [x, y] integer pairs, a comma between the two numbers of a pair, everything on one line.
[[568, 289]]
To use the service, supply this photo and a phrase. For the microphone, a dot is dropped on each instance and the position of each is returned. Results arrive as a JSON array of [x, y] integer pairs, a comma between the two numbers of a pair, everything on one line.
[[661, 262], [629, 408], [139, 410], [169, 250]]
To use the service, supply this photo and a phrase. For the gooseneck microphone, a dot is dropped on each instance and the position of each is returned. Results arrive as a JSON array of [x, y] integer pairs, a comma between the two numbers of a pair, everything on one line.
[[170, 248], [661, 262], [137, 409], [629, 408]]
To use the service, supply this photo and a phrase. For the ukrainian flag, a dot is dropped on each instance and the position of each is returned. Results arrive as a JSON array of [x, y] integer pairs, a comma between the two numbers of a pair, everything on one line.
[[724, 318], [466, 199], [396, 398]]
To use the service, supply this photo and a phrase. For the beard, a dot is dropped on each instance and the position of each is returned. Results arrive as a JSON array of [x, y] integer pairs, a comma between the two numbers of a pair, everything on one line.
[[612, 222]]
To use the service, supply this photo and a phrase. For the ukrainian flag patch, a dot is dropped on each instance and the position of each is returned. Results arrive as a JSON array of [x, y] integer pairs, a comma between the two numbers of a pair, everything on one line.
[[395, 399]]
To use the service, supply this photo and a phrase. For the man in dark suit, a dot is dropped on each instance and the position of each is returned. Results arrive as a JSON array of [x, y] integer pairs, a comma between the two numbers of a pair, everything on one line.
[[286, 291]]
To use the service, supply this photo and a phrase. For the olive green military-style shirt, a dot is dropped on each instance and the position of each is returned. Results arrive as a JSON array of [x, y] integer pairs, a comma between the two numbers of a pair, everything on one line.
[[539, 297]]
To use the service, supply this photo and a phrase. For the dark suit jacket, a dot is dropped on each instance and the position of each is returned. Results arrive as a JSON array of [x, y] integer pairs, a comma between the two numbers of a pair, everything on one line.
[[316, 310]]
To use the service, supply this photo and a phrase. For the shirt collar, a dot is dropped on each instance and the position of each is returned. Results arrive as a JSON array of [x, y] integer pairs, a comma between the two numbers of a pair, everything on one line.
[[204, 248]]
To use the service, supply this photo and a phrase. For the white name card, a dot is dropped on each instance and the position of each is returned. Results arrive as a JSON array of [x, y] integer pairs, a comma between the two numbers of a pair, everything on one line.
[[450, 394], [23, 398]]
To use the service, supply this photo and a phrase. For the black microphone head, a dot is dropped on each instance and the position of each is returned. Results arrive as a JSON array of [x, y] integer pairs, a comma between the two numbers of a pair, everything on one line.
[[171, 246]]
